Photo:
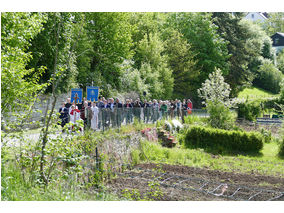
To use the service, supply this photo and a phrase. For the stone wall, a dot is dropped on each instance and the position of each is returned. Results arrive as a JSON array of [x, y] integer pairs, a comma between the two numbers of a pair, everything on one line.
[[45, 100]]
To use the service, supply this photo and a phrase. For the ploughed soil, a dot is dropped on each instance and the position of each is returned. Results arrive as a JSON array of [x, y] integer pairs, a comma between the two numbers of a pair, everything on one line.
[[181, 183]]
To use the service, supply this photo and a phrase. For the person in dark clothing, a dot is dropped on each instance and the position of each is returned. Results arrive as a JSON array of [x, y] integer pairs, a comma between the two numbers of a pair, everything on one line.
[[63, 114], [105, 110], [183, 110], [172, 108], [128, 111], [68, 106], [100, 103], [147, 111], [178, 108], [118, 113], [137, 109]]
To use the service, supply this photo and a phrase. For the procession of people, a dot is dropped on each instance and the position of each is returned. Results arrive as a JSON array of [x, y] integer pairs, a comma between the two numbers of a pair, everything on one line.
[[112, 112]]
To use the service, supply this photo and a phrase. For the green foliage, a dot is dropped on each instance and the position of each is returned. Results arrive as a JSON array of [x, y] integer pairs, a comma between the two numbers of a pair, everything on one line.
[[19, 86], [110, 34], [266, 164], [152, 193], [266, 134], [69, 162], [216, 93], [280, 61], [249, 110], [258, 45], [281, 97], [274, 23], [269, 77], [53, 47], [215, 89], [181, 61], [194, 119], [223, 141], [247, 44], [153, 66], [281, 149], [220, 116], [208, 48], [254, 93]]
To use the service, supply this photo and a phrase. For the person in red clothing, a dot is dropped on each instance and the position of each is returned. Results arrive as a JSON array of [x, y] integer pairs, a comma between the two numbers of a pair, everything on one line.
[[74, 115], [189, 106]]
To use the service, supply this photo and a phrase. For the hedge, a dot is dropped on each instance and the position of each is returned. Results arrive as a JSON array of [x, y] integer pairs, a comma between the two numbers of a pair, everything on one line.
[[229, 141]]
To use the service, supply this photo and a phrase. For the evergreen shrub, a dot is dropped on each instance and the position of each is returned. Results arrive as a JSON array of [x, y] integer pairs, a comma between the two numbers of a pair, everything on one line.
[[224, 141]]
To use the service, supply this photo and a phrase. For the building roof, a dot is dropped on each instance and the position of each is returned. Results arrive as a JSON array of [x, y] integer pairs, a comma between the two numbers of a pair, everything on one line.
[[281, 34], [265, 14]]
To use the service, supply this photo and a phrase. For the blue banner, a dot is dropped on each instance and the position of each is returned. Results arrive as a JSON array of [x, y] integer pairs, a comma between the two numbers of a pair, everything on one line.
[[92, 93], [76, 94]]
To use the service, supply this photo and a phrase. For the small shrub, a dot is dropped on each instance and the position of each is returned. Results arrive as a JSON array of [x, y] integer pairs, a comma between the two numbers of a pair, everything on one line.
[[220, 116], [249, 110], [266, 135]]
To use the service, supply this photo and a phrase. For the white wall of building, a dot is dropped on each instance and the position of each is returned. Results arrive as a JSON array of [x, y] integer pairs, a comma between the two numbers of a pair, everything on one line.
[[255, 16]]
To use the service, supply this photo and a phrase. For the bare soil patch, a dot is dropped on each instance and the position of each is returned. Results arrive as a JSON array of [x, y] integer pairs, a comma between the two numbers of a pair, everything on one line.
[[182, 183]]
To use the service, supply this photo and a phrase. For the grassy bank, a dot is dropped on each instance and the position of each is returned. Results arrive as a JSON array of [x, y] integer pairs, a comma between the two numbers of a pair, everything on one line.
[[255, 93]]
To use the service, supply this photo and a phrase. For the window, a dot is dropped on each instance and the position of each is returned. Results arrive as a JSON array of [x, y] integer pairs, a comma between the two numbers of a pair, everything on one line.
[[252, 15], [276, 41]]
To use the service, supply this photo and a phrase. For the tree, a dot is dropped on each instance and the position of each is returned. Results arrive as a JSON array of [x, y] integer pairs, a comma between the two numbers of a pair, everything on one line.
[[181, 61], [274, 24], [269, 77], [216, 93], [111, 42], [154, 68], [208, 48], [258, 46], [43, 47], [280, 61], [215, 89], [144, 24], [19, 86]]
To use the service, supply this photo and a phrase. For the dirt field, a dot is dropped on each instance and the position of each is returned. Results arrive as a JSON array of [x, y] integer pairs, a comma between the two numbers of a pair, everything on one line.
[[181, 183]]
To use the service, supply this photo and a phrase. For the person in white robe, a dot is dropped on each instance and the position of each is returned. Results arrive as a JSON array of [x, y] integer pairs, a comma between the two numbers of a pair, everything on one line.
[[95, 116], [74, 114]]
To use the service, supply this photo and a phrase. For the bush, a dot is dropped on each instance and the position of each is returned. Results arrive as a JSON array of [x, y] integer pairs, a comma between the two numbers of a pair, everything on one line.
[[281, 97], [269, 77], [223, 141], [281, 149], [249, 110], [220, 116]]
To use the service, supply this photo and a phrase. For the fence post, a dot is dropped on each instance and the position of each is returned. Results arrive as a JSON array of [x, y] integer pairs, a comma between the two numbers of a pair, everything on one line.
[[97, 159]]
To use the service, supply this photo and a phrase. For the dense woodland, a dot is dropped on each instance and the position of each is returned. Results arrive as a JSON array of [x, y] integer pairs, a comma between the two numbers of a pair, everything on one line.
[[166, 55]]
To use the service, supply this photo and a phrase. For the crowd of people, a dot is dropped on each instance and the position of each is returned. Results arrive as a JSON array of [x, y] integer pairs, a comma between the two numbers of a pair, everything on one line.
[[109, 112]]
